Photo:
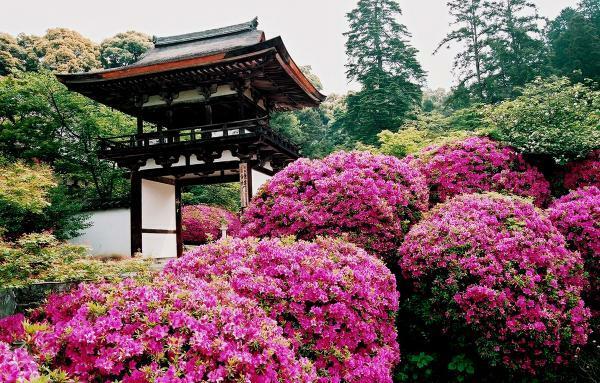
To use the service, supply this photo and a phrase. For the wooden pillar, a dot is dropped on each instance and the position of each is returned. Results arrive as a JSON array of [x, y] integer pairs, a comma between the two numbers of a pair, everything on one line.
[[178, 218], [245, 183], [140, 124], [136, 213]]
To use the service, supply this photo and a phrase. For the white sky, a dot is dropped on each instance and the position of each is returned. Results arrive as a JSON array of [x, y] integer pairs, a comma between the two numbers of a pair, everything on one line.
[[311, 29]]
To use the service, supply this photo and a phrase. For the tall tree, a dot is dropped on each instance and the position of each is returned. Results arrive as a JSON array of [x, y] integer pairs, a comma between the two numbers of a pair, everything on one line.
[[124, 48], [381, 59], [64, 50], [574, 40], [517, 50], [11, 54], [471, 30]]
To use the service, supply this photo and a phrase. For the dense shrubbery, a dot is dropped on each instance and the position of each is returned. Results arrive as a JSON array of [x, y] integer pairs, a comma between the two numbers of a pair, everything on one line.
[[35, 258], [577, 217], [585, 172], [371, 200], [202, 223], [494, 271], [16, 366], [335, 302], [184, 330], [551, 118], [478, 164]]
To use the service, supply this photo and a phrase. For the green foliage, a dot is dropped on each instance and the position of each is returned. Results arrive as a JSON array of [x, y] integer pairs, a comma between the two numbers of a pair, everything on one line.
[[462, 367], [317, 131], [36, 258], [382, 61], [430, 129], [40, 119], [574, 40], [225, 195], [416, 368], [553, 118], [25, 187], [124, 49], [517, 51], [66, 51], [471, 30], [501, 48]]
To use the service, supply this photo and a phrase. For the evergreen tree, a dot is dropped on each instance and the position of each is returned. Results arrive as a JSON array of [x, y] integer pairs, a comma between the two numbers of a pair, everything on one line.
[[574, 40], [381, 59], [517, 51], [471, 30]]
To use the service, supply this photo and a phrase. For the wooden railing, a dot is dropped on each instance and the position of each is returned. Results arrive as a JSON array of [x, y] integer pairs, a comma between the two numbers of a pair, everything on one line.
[[194, 134]]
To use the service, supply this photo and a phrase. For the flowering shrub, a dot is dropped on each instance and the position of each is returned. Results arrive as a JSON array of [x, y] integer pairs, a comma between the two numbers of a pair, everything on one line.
[[478, 164], [11, 328], [370, 199], [40, 257], [577, 217], [16, 366], [335, 302], [584, 173], [494, 268], [202, 223], [184, 330]]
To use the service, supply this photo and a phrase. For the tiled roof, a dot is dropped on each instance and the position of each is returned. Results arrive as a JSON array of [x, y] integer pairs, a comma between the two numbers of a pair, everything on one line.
[[203, 43]]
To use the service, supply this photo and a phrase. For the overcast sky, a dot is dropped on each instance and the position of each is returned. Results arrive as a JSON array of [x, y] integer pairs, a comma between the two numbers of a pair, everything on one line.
[[311, 29]]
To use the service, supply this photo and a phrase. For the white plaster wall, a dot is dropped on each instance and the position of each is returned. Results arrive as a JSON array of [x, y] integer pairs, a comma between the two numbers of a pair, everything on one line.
[[159, 245], [108, 234], [158, 205], [258, 179], [158, 212]]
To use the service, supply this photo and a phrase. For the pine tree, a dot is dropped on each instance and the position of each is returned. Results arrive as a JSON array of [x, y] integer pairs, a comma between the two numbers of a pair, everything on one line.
[[472, 30], [517, 51], [381, 59]]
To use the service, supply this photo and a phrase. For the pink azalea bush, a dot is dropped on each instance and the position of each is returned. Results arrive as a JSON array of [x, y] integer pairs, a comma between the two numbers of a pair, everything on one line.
[[183, 330], [583, 173], [202, 223], [478, 164], [577, 217], [335, 302], [11, 328], [370, 199], [496, 269], [16, 366]]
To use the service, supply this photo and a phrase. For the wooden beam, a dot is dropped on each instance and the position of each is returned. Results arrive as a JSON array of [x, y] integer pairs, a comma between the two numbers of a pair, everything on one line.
[[159, 231], [245, 183], [178, 219], [136, 213]]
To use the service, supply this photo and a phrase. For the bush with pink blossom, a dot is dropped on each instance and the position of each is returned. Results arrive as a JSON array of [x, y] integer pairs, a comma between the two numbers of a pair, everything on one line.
[[171, 330], [335, 302], [478, 164], [585, 172], [202, 223], [369, 199], [494, 270], [16, 366], [577, 217]]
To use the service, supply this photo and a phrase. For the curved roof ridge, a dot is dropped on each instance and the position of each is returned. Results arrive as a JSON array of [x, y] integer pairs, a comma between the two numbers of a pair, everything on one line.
[[207, 34]]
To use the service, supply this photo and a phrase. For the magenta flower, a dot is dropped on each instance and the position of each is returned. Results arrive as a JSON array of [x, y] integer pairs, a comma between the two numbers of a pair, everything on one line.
[[16, 365], [496, 267], [202, 223], [370, 200], [170, 330], [577, 217], [478, 164], [585, 172], [335, 302]]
